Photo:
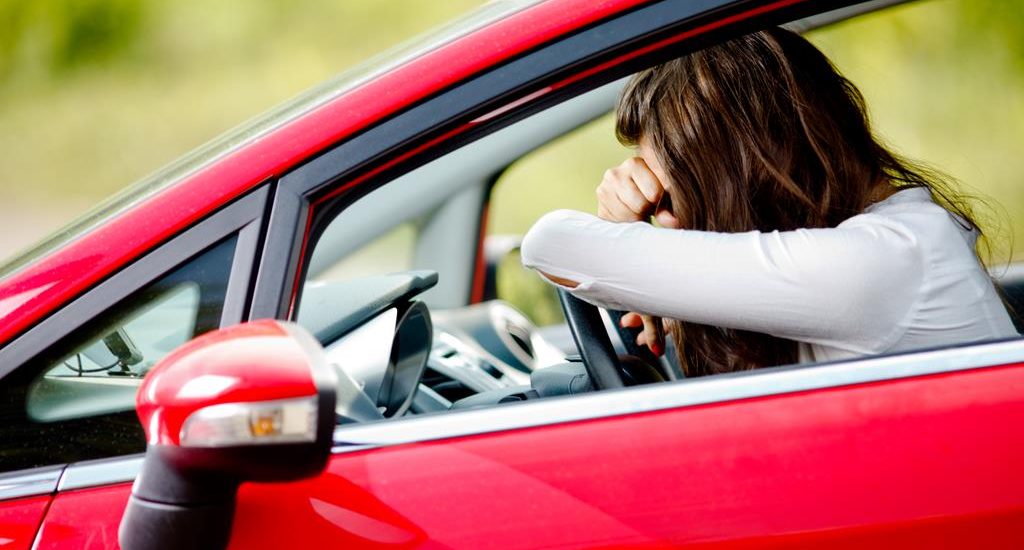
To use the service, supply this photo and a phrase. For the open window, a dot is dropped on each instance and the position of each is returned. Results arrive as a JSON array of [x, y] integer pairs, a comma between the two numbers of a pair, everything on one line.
[[462, 212]]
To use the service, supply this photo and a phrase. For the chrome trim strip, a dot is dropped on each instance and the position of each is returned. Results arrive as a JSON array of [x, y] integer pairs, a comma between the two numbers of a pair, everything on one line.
[[27, 483], [671, 395], [106, 471]]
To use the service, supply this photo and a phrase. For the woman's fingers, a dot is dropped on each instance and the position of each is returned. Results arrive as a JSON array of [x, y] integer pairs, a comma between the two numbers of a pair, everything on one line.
[[610, 207], [645, 180], [651, 336], [667, 219], [637, 187], [628, 192], [631, 320], [620, 211], [631, 196]]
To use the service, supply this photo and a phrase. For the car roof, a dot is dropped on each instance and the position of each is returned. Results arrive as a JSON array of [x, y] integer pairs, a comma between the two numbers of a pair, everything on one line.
[[129, 225]]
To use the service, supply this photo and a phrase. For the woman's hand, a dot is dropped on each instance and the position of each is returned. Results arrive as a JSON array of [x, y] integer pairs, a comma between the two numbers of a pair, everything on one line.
[[629, 192], [652, 336]]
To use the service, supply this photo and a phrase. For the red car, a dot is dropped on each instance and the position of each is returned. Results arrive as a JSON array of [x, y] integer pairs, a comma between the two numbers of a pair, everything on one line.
[[412, 409]]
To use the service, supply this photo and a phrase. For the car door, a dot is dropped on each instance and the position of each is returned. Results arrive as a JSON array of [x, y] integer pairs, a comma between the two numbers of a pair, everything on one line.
[[836, 454], [908, 451], [914, 451], [847, 454]]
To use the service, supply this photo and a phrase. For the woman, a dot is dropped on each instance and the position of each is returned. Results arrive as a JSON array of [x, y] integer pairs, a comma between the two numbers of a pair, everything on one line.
[[788, 232]]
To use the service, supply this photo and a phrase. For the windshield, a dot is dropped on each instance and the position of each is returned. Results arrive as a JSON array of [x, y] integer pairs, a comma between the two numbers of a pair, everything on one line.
[[263, 124]]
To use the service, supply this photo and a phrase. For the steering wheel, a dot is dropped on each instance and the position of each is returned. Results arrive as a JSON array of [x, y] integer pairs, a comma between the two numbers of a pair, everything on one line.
[[592, 339]]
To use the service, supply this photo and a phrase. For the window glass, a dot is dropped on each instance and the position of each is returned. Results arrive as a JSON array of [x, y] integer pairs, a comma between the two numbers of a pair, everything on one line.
[[76, 401], [101, 376], [522, 288], [390, 252]]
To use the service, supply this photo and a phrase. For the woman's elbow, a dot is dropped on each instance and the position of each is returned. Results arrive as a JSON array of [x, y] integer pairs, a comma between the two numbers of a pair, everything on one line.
[[567, 283], [543, 239]]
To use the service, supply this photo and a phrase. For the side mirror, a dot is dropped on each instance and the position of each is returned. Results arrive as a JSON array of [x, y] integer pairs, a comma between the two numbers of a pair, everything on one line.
[[253, 402]]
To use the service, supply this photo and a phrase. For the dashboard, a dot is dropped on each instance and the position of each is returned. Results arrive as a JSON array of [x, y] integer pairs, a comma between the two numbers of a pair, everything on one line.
[[403, 358], [409, 360]]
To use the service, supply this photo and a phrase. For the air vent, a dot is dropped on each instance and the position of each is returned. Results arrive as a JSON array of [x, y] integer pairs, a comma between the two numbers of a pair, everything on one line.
[[448, 387]]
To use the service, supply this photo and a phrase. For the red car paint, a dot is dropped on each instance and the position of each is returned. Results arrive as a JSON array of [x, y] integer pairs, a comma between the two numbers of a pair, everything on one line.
[[78, 519], [239, 356], [761, 473], [934, 462], [19, 520]]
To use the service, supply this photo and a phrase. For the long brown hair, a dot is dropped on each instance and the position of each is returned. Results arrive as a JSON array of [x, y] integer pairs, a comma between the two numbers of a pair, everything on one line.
[[761, 133]]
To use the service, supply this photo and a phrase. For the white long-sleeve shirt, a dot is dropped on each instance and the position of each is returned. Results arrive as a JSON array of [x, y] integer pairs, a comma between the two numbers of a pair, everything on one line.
[[901, 275]]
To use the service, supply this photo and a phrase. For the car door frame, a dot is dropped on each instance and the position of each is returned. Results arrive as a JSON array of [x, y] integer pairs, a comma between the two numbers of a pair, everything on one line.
[[309, 196], [306, 199], [337, 179]]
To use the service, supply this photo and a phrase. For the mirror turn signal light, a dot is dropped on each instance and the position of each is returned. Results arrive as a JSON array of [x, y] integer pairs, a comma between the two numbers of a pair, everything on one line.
[[255, 423]]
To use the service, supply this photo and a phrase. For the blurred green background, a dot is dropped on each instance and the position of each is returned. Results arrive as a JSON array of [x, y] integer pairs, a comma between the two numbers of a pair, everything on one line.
[[944, 83], [95, 94]]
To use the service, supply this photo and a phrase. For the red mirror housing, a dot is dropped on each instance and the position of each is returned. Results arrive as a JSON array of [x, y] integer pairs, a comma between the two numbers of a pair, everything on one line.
[[253, 402], [257, 362]]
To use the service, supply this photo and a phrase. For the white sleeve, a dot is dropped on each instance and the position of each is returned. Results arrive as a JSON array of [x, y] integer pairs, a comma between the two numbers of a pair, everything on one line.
[[850, 287]]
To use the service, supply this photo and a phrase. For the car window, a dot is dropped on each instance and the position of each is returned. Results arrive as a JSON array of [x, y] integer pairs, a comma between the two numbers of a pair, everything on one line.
[[564, 172], [101, 375], [76, 401], [522, 288], [390, 252], [561, 174]]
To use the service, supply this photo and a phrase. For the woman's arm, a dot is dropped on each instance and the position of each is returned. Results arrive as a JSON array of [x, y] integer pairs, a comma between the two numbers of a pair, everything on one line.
[[845, 287]]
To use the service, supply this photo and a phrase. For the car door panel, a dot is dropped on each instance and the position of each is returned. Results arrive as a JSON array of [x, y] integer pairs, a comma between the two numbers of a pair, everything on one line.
[[19, 520], [915, 462], [85, 518]]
